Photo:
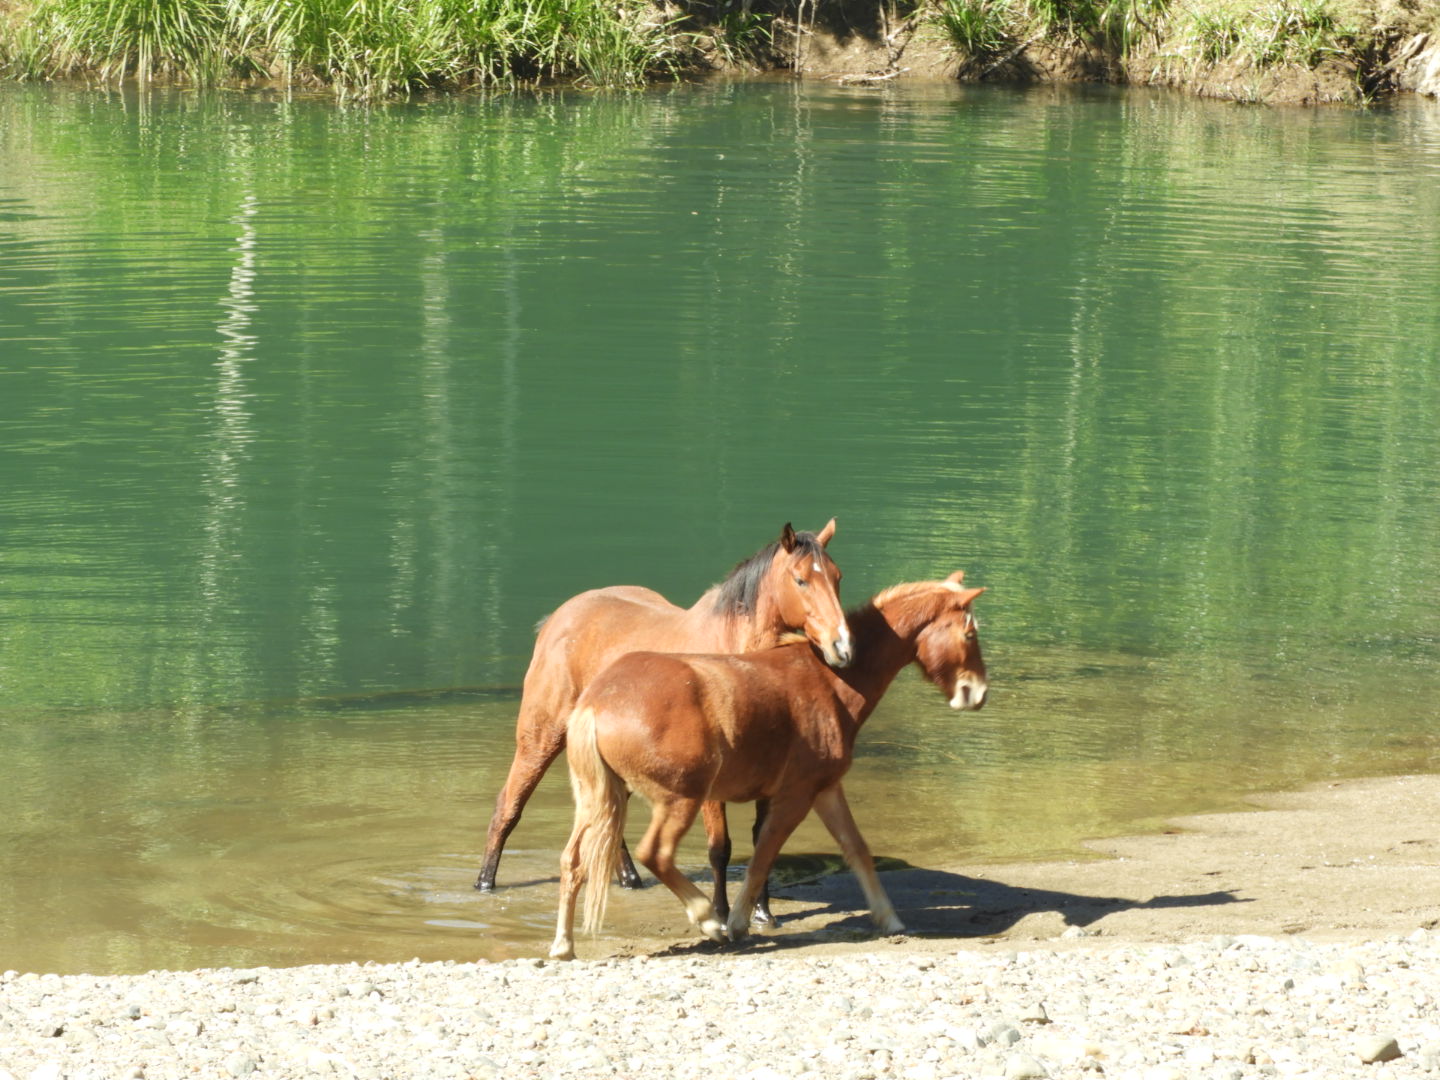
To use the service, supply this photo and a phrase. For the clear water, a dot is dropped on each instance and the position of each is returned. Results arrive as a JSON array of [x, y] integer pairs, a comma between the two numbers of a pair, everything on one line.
[[309, 414]]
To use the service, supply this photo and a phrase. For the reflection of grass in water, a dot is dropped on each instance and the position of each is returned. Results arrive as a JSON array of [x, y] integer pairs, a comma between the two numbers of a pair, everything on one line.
[[802, 869]]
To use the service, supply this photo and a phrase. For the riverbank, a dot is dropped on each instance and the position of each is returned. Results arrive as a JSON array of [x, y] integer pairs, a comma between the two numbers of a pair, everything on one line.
[[1223, 1007], [1279, 52], [1295, 941]]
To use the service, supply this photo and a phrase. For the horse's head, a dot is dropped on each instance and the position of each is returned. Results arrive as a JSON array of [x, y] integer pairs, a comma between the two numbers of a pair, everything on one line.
[[805, 583], [948, 648]]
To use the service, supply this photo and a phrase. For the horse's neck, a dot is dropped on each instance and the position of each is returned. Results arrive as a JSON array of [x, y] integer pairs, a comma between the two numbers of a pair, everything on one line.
[[711, 630], [884, 644]]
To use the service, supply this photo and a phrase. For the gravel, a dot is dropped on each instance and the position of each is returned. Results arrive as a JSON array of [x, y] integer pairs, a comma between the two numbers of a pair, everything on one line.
[[1228, 1008]]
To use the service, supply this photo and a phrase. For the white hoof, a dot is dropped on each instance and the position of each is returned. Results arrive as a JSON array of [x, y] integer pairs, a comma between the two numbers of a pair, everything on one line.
[[713, 929], [562, 950], [737, 928], [890, 925]]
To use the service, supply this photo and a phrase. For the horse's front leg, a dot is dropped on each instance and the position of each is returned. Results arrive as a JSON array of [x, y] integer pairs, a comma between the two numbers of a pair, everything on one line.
[[717, 836], [784, 814], [834, 811]]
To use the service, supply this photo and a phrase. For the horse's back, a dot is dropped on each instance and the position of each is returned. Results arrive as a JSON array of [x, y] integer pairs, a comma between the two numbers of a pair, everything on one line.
[[700, 725], [592, 628]]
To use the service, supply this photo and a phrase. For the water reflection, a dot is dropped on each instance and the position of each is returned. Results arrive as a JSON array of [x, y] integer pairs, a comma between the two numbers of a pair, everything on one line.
[[1155, 371]]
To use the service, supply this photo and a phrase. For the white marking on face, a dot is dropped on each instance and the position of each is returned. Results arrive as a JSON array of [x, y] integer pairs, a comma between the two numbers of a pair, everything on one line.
[[960, 699], [816, 568]]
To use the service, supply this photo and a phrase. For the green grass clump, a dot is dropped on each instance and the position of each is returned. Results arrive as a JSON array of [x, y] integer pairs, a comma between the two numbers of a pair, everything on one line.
[[986, 27], [149, 38], [1125, 24], [979, 28], [1300, 32], [363, 48], [742, 36]]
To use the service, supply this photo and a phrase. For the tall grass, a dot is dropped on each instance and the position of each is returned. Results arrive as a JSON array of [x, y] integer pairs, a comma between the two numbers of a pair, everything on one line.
[[363, 48], [978, 28], [1300, 32], [1124, 25], [742, 37], [985, 27], [149, 38]]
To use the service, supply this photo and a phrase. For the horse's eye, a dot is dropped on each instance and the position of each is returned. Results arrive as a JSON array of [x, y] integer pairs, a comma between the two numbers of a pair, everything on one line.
[[802, 583]]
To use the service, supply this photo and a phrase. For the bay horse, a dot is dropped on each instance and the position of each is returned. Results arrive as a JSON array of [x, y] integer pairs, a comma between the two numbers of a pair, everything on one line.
[[789, 585], [778, 725]]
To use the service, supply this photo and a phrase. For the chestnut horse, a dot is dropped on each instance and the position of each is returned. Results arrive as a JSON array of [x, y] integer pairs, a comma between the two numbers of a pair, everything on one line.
[[777, 725], [791, 584]]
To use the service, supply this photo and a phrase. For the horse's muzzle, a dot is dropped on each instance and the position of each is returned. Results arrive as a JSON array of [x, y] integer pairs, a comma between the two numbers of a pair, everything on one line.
[[970, 694], [840, 652]]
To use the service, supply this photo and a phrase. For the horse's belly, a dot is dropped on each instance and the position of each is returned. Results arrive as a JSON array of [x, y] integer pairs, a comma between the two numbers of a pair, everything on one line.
[[744, 780]]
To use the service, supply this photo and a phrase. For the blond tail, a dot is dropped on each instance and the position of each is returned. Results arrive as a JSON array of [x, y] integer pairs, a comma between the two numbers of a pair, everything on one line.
[[600, 801]]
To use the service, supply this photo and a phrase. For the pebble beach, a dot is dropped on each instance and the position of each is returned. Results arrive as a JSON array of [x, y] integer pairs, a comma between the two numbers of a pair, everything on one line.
[[1295, 940], [1224, 1007]]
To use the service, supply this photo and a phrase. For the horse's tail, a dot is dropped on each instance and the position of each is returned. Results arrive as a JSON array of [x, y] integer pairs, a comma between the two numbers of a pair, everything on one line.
[[600, 801]]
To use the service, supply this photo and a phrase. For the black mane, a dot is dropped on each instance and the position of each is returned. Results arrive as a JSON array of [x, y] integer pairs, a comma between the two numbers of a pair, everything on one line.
[[736, 595]]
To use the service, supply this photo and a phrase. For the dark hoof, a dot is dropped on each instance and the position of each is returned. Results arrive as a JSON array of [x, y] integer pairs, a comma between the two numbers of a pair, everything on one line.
[[761, 917], [631, 882], [484, 886]]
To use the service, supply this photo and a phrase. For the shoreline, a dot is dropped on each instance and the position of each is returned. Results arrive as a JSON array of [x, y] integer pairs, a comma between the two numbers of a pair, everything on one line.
[[1295, 52], [1296, 939]]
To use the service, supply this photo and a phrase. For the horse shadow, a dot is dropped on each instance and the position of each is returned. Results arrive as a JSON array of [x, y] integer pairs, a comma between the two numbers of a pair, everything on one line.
[[943, 904], [946, 904]]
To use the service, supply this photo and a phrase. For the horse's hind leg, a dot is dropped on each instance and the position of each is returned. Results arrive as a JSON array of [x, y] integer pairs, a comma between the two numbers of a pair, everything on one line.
[[717, 833], [669, 820], [539, 738], [572, 876], [834, 811]]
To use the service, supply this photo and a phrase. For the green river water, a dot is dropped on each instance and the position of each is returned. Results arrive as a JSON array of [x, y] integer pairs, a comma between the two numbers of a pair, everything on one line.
[[310, 413]]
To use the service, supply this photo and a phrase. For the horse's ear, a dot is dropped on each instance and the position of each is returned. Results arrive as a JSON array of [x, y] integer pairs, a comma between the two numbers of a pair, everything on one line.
[[787, 538], [968, 596], [957, 577], [826, 533]]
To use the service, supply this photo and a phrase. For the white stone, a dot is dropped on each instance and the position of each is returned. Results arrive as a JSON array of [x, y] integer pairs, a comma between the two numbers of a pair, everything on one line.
[[1373, 1048], [1024, 1067]]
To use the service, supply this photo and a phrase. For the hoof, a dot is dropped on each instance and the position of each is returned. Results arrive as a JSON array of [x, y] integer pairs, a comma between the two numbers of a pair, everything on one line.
[[565, 951], [763, 917], [713, 929], [891, 926], [630, 881], [484, 886]]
